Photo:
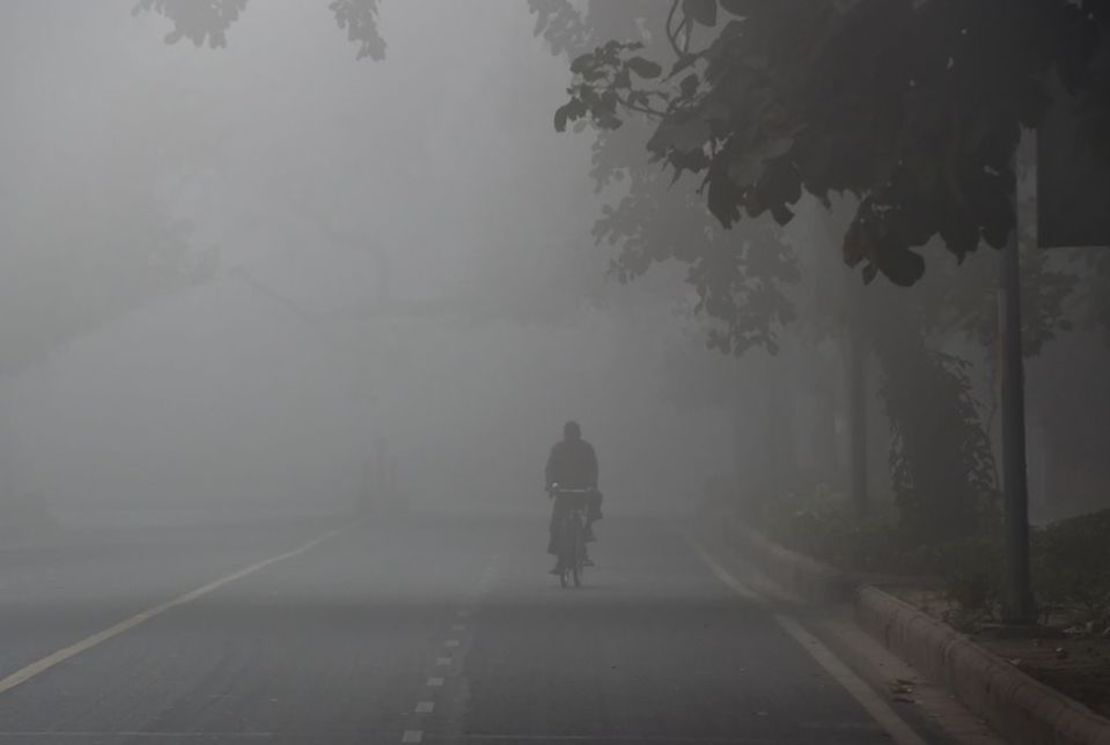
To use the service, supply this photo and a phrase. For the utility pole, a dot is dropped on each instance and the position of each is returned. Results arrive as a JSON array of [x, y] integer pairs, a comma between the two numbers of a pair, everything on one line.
[[857, 417], [855, 368], [1018, 603]]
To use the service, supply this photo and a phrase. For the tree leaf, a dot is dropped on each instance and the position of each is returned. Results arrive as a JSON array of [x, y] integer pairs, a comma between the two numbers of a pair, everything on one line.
[[900, 265], [782, 213], [645, 68], [570, 111], [581, 63], [701, 11], [737, 7], [689, 85], [685, 136]]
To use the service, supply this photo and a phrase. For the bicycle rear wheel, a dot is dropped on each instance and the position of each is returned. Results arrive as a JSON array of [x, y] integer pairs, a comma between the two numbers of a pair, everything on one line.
[[566, 552], [578, 564]]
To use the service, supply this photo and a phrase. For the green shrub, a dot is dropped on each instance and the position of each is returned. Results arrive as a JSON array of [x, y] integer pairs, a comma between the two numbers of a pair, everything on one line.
[[971, 570], [1071, 565], [822, 524], [1070, 559]]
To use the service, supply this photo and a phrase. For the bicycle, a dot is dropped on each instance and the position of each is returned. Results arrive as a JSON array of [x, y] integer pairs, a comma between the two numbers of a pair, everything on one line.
[[572, 534]]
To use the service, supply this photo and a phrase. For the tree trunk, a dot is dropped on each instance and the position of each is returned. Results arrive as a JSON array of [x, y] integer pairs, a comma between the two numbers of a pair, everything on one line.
[[857, 422], [823, 440], [746, 447], [1018, 605]]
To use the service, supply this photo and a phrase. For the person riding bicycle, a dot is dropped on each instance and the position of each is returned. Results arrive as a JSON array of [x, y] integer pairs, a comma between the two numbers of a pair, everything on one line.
[[572, 464]]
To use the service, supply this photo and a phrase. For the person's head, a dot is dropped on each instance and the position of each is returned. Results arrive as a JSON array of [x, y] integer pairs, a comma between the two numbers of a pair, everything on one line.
[[571, 431]]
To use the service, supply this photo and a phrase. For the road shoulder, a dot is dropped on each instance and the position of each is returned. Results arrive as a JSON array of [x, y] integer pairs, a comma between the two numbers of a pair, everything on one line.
[[927, 708]]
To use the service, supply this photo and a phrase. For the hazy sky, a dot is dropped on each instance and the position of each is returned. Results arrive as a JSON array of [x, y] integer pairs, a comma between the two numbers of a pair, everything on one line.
[[268, 383]]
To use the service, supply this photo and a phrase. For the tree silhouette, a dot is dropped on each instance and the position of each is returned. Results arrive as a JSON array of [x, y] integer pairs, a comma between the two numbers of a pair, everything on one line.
[[206, 22], [915, 107]]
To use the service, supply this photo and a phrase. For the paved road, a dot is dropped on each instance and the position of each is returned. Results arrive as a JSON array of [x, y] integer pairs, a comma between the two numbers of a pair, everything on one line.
[[429, 629]]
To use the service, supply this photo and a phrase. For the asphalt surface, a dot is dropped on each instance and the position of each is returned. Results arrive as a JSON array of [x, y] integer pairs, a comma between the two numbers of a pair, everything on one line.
[[417, 629]]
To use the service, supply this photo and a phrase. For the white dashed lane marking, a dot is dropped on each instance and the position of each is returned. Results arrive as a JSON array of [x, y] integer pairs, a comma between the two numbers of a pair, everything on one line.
[[458, 628]]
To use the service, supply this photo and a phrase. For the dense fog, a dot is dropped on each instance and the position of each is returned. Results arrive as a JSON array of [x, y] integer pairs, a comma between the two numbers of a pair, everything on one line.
[[554, 371], [241, 276], [229, 273]]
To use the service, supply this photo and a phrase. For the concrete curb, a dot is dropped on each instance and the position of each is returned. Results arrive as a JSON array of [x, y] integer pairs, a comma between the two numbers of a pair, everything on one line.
[[1015, 705]]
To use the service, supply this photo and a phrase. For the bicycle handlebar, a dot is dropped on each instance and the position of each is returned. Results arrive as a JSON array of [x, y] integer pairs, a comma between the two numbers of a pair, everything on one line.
[[555, 490]]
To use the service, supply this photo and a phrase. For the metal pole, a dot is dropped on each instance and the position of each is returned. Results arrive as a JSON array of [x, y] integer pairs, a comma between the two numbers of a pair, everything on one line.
[[1018, 604], [856, 349], [857, 418]]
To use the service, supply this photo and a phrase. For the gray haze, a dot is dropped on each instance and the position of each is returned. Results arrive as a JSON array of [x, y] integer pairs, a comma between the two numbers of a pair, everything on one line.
[[230, 272], [288, 337]]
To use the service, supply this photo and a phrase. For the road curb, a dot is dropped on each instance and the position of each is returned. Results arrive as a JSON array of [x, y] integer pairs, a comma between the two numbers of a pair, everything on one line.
[[1021, 709]]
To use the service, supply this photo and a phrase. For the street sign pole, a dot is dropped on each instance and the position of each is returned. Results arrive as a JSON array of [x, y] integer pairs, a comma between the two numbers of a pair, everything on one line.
[[1018, 604]]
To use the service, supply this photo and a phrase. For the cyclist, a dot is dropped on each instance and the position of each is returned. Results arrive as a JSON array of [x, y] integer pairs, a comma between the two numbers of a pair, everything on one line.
[[572, 464]]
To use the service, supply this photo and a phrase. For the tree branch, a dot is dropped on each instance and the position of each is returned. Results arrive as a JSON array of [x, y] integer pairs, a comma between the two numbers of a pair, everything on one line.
[[643, 109]]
